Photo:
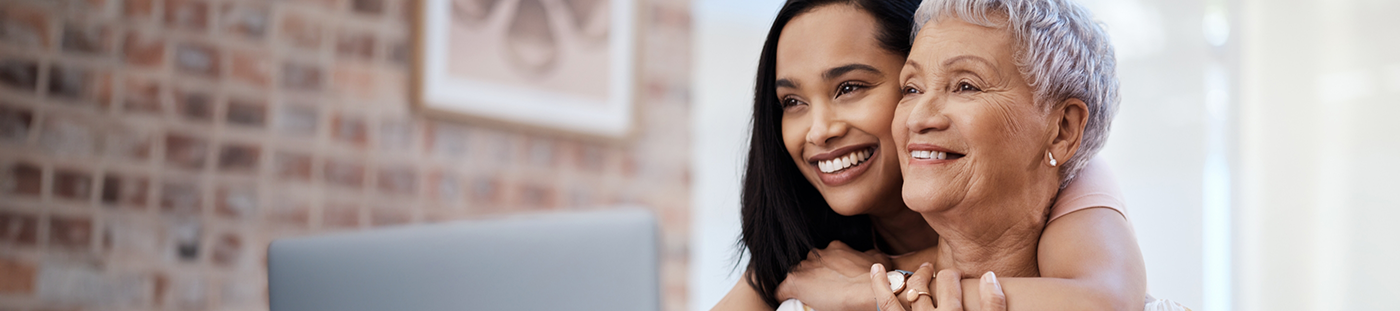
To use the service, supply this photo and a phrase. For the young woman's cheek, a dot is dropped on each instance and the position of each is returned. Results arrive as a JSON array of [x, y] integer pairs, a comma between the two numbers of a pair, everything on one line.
[[795, 135], [899, 131]]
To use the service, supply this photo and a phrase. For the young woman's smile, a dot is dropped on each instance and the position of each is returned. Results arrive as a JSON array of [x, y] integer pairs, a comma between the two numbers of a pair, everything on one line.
[[840, 166]]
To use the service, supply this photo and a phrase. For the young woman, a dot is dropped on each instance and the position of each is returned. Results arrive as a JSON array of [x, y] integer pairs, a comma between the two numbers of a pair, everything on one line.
[[822, 167]]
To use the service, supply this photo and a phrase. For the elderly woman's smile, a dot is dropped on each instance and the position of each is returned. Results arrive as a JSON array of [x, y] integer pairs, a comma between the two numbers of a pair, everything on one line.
[[931, 154]]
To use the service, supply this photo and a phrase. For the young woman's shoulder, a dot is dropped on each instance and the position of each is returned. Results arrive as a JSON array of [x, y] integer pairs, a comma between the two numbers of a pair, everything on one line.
[[742, 297], [1094, 187]]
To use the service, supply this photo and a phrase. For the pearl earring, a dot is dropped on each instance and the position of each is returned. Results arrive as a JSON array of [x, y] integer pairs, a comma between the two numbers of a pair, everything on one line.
[[1052, 158]]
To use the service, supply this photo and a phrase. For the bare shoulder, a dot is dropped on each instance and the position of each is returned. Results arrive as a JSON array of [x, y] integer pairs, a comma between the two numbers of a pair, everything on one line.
[[1089, 241], [742, 297]]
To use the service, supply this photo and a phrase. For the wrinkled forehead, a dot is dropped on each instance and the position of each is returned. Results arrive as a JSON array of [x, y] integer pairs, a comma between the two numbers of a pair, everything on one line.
[[945, 39]]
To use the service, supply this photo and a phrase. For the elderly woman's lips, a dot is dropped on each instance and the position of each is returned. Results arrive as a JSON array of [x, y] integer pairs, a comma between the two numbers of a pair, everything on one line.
[[933, 155], [932, 152]]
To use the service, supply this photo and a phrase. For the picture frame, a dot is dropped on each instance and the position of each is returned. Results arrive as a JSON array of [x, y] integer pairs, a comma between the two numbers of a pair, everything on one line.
[[560, 65]]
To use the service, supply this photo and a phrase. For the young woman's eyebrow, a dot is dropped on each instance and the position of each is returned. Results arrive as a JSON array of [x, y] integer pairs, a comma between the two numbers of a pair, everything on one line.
[[785, 83], [830, 74], [833, 73]]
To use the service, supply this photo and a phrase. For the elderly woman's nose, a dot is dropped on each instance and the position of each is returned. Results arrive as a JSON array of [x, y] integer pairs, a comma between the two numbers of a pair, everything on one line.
[[925, 117], [825, 126]]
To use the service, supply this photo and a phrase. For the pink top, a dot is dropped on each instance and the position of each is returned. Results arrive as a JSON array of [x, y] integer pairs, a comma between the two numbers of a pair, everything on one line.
[[1095, 187]]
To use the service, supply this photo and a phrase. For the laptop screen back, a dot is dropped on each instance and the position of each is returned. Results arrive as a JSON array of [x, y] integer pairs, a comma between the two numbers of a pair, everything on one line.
[[577, 261]]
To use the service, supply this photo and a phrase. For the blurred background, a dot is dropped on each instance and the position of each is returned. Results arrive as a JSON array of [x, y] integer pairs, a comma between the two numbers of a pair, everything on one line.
[[150, 149]]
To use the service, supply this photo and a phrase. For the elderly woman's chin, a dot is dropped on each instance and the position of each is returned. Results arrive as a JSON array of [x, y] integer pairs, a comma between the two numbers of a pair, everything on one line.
[[925, 194]]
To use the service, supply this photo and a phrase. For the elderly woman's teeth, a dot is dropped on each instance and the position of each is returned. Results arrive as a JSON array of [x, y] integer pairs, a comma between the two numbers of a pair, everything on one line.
[[843, 162], [928, 155]]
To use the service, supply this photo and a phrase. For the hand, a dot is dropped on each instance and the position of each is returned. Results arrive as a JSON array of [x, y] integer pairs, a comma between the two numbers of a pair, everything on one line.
[[949, 291], [993, 299], [832, 279]]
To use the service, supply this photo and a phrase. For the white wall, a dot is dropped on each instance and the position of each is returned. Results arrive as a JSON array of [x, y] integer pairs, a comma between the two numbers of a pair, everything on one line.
[[1318, 202], [728, 37], [1159, 143]]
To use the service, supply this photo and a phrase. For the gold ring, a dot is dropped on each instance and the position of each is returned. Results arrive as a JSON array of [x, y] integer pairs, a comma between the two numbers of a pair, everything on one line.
[[914, 296]]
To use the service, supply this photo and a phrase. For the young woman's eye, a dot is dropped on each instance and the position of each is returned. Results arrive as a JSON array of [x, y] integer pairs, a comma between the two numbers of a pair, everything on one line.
[[789, 102], [967, 87], [847, 88]]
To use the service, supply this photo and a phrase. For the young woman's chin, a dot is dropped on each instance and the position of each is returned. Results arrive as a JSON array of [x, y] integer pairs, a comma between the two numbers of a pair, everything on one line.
[[847, 205], [865, 195]]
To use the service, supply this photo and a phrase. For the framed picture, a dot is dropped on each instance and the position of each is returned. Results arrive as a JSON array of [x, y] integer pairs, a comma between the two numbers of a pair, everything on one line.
[[556, 64]]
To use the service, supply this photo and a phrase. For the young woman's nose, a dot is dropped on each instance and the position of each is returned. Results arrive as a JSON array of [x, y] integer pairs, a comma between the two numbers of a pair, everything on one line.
[[826, 125]]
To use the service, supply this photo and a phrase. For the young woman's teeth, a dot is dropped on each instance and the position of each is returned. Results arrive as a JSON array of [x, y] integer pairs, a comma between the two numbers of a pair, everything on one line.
[[928, 155], [843, 162]]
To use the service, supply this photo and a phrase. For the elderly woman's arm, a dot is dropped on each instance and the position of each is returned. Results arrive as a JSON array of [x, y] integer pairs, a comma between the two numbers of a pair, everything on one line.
[[1089, 260]]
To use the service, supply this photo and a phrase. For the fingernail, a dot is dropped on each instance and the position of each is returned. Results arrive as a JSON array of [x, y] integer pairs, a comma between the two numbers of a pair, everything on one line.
[[989, 277], [925, 265], [874, 269]]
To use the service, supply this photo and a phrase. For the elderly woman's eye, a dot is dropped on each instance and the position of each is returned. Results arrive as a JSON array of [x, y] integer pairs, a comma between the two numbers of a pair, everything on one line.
[[909, 90], [967, 87]]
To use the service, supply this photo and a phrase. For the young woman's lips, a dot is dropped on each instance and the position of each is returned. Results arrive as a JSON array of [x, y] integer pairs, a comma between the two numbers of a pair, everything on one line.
[[845, 176]]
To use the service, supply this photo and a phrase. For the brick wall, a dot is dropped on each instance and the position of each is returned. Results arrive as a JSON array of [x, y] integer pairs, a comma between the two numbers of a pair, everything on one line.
[[150, 149]]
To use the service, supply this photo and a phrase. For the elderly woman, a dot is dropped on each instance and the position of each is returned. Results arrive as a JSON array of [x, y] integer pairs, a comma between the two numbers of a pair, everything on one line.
[[1004, 103]]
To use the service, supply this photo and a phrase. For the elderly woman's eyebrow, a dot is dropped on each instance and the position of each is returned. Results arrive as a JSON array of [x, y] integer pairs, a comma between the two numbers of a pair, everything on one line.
[[968, 58], [913, 63], [833, 73]]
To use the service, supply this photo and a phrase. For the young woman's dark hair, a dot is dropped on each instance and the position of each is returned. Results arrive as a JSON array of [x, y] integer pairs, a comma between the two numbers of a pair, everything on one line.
[[784, 216]]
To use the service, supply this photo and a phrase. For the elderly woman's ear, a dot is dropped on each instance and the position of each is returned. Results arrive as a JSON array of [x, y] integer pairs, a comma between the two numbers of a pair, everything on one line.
[[1069, 118]]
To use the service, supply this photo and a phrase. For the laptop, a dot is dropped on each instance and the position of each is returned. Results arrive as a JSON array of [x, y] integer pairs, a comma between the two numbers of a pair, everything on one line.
[[603, 260]]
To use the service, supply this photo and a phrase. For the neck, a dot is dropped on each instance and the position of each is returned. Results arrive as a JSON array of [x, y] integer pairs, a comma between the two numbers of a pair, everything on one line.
[[903, 230], [1009, 248]]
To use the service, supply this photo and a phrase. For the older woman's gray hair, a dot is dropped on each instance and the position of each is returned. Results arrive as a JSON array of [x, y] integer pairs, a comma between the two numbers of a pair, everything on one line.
[[1062, 53]]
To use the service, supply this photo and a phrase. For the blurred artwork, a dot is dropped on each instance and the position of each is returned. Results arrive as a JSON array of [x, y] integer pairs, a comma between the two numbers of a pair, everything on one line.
[[562, 64], [558, 45]]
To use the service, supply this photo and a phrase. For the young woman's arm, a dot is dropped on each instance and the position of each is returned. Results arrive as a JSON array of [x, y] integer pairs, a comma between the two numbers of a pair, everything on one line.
[[836, 278], [1089, 260], [742, 297], [1088, 254]]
